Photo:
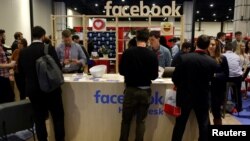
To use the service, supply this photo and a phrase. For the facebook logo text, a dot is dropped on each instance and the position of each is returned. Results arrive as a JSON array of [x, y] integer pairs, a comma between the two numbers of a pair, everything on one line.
[[156, 99]]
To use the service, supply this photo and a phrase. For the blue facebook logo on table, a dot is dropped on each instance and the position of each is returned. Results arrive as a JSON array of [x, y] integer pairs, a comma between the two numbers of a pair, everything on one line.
[[156, 107]]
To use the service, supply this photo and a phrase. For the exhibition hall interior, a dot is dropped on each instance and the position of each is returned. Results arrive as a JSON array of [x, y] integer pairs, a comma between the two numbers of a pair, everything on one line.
[[124, 70]]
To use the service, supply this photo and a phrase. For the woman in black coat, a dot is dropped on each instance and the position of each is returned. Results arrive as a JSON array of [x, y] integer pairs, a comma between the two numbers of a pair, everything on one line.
[[218, 85]]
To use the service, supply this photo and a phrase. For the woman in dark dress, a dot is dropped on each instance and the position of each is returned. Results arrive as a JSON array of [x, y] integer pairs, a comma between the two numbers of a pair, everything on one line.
[[218, 85]]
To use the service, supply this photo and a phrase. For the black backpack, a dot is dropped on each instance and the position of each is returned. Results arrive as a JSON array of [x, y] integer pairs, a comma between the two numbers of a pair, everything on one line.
[[49, 75]]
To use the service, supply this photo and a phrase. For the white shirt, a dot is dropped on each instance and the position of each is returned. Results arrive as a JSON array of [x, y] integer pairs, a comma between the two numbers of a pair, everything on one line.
[[37, 41], [234, 64]]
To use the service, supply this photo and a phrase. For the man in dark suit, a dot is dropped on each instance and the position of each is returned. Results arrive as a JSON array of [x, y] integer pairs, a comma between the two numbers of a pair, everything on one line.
[[238, 41], [191, 77], [42, 102], [76, 39]]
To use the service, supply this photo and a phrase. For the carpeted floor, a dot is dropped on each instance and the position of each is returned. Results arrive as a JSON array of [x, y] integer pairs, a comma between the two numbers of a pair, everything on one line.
[[244, 116]]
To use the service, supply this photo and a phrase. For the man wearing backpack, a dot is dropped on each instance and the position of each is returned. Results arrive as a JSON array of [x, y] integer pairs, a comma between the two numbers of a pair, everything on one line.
[[42, 102]]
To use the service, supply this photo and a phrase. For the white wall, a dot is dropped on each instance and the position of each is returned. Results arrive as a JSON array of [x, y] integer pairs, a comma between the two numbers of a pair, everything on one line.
[[212, 28], [42, 10], [15, 16], [73, 21]]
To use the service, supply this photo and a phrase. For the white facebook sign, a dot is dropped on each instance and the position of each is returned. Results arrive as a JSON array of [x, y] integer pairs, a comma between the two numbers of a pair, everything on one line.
[[142, 10]]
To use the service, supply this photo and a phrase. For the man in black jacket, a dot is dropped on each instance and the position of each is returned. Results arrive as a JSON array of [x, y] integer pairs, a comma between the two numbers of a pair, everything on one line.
[[42, 102], [139, 65], [191, 77], [76, 39]]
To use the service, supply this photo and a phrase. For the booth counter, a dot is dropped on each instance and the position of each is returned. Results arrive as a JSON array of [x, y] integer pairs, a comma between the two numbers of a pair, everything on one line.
[[93, 110]]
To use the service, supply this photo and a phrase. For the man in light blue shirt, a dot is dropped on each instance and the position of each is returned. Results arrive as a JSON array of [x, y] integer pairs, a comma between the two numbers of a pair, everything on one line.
[[235, 74], [70, 54], [235, 69], [163, 54], [176, 46]]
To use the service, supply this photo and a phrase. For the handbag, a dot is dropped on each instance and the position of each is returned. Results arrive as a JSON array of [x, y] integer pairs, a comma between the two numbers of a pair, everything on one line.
[[170, 107]]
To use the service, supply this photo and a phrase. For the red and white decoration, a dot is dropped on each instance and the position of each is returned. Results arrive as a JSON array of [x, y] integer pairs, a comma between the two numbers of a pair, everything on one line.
[[99, 24], [170, 107]]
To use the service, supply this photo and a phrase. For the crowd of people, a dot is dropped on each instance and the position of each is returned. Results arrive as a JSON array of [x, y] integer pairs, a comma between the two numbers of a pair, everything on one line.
[[208, 69], [70, 56], [200, 77]]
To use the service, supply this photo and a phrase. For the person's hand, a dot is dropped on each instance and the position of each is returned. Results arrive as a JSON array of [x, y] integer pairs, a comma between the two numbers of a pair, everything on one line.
[[11, 71], [174, 88], [75, 61], [66, 61], [11, 78]]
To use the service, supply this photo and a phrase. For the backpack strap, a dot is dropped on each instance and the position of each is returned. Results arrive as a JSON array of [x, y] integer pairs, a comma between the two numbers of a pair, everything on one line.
[[46, 49]]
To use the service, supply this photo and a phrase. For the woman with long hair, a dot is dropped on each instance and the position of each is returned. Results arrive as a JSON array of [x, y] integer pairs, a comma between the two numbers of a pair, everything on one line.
[[218, 85], [246, 77], [19, 79], [244, 62]]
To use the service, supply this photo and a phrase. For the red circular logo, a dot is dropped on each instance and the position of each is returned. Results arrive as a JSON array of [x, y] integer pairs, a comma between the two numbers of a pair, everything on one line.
[[99, 24]]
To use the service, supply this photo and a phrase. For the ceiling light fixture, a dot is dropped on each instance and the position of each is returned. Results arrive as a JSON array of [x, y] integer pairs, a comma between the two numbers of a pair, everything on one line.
[[123, 0], [75, 8], [202, 19], [215, 20], [96, 5], [214, 14], [197, 12], [211, 5], [153, 4], [230, 9], [227, 17]]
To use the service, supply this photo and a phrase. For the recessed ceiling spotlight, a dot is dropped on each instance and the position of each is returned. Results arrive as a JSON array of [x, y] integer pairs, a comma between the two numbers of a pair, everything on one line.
[[198, 12], [104, 11], [214, 14], [129, 19], [75, 8], [153, 4], [198, 20], [227, 17], [215, 20], [230, 9], [96, 5], [123, 0], [202, 19], [211, 5]]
